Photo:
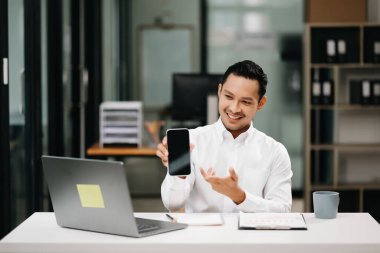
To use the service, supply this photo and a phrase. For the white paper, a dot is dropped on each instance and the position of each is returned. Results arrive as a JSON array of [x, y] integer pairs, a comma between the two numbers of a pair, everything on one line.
[[198, 219], [271, 221]]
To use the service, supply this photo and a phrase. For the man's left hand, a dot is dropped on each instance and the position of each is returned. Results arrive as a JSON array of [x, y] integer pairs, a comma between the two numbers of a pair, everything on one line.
[[225, 185]]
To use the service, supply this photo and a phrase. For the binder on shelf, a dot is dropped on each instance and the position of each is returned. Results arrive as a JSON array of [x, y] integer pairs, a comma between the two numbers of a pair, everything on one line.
[[355, 92], [375, 85], [313, 127], [331, 51], [325, 167], [313, 166], [326, 127], [371, 44], [376, 51], [316, 89], [321, 167], [316, 93], [341, 50], [327, 92], [366, 92]]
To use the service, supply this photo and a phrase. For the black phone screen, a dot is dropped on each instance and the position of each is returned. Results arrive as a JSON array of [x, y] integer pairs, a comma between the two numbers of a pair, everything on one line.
[[179, 152]]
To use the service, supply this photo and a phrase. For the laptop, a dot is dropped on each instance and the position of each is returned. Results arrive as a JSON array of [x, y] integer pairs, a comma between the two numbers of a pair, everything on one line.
[[93, 195]]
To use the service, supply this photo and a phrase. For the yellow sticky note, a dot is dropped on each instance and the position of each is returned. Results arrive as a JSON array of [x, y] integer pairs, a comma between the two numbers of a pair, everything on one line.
[[90, 195]]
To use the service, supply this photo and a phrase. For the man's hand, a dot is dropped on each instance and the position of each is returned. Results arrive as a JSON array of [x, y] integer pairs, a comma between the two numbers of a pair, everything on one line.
[[162, 151], [163, 154], [225, 185]]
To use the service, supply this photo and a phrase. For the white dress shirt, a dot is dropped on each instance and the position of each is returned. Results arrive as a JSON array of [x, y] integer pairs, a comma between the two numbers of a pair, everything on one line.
[[261, 163]]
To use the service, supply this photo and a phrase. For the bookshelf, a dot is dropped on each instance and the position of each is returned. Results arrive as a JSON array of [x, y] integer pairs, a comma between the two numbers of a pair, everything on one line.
[[342, 114]]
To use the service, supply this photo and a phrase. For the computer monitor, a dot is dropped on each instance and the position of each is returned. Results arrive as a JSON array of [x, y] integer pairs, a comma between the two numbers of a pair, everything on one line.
[[189, 95]]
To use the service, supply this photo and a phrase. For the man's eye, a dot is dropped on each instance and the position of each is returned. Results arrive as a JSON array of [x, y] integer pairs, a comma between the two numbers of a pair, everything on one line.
[[228, 97], [247, 102]]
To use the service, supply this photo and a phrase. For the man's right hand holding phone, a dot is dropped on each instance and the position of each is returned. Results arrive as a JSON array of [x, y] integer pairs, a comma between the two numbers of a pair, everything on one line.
[[163, 153]]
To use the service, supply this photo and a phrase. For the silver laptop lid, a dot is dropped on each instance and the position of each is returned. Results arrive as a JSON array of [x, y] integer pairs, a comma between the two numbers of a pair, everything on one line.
[[90, 195]]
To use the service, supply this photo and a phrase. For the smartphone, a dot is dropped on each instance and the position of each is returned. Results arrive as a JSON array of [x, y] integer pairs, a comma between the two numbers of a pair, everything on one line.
[[179, 151]]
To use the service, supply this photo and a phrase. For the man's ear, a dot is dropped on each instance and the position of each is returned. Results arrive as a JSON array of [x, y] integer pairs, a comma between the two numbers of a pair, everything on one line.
[[220, 89], [262, 103]]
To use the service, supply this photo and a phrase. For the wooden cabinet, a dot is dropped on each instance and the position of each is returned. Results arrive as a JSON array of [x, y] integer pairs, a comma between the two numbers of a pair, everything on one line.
[[342, 114]]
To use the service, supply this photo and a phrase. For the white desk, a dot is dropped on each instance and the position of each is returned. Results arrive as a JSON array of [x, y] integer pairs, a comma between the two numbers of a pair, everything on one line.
[[350, 232]]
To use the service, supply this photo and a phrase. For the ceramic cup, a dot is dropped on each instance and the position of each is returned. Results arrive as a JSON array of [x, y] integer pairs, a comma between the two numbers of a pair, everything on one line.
[[325, 204]]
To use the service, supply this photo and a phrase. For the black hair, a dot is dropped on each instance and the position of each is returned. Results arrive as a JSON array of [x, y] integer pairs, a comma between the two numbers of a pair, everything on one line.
[[250, 70]]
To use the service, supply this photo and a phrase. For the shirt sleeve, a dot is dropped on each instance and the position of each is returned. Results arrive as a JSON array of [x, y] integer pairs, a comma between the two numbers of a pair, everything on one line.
[[277, 194], [175, 191]]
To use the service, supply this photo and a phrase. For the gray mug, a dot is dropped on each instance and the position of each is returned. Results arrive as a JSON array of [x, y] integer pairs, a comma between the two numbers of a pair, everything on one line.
[[325, 204]]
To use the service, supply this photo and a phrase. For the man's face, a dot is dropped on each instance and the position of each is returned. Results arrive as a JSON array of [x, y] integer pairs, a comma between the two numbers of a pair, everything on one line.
[[238, 103]]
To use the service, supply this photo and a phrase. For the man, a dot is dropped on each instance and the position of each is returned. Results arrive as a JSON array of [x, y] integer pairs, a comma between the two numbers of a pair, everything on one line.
[[234, 167]]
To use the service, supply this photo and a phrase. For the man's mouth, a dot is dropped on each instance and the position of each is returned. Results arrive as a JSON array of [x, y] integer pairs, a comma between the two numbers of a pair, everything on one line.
[[233, 116]]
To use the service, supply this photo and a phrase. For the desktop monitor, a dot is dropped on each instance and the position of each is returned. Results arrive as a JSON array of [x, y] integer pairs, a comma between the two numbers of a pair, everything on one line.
[[189, 95]]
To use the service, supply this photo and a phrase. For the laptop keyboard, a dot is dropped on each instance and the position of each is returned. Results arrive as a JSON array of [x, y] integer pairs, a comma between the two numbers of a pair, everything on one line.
[[143, 227]]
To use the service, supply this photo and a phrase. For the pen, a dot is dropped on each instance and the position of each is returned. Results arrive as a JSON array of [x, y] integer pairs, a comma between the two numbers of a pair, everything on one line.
[[170, 217]]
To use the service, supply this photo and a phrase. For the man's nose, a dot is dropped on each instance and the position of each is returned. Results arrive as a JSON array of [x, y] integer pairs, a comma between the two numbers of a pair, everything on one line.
[[235, 106]]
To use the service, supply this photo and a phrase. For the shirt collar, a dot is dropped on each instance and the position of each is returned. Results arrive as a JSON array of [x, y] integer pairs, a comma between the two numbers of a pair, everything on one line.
[[221, 131]]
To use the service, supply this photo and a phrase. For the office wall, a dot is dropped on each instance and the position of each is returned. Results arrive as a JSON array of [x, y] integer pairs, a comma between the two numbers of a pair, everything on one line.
[[177, 12]]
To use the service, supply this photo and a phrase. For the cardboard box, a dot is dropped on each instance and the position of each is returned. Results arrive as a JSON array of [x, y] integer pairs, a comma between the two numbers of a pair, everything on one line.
[[336, 11]]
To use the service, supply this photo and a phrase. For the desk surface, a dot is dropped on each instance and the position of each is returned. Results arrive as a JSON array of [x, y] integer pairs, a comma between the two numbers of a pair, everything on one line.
[[349, 232], [96, 150]]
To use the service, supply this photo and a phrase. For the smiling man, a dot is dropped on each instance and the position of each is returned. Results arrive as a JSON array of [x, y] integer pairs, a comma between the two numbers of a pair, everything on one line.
[[235, 167]]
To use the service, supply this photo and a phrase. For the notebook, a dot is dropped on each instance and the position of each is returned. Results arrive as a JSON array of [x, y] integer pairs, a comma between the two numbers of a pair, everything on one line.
[[197, 219], [93, 195], [271, 221]]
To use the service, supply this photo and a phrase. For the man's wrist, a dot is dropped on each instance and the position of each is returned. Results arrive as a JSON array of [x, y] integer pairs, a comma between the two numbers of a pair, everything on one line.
[[239, 197]]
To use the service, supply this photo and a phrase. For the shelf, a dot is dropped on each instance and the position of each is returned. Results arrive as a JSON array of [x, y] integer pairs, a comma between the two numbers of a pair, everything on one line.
[[345, 107], [345, 24], [357, 107], [342, 139], [345, 65], [345, 146]]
